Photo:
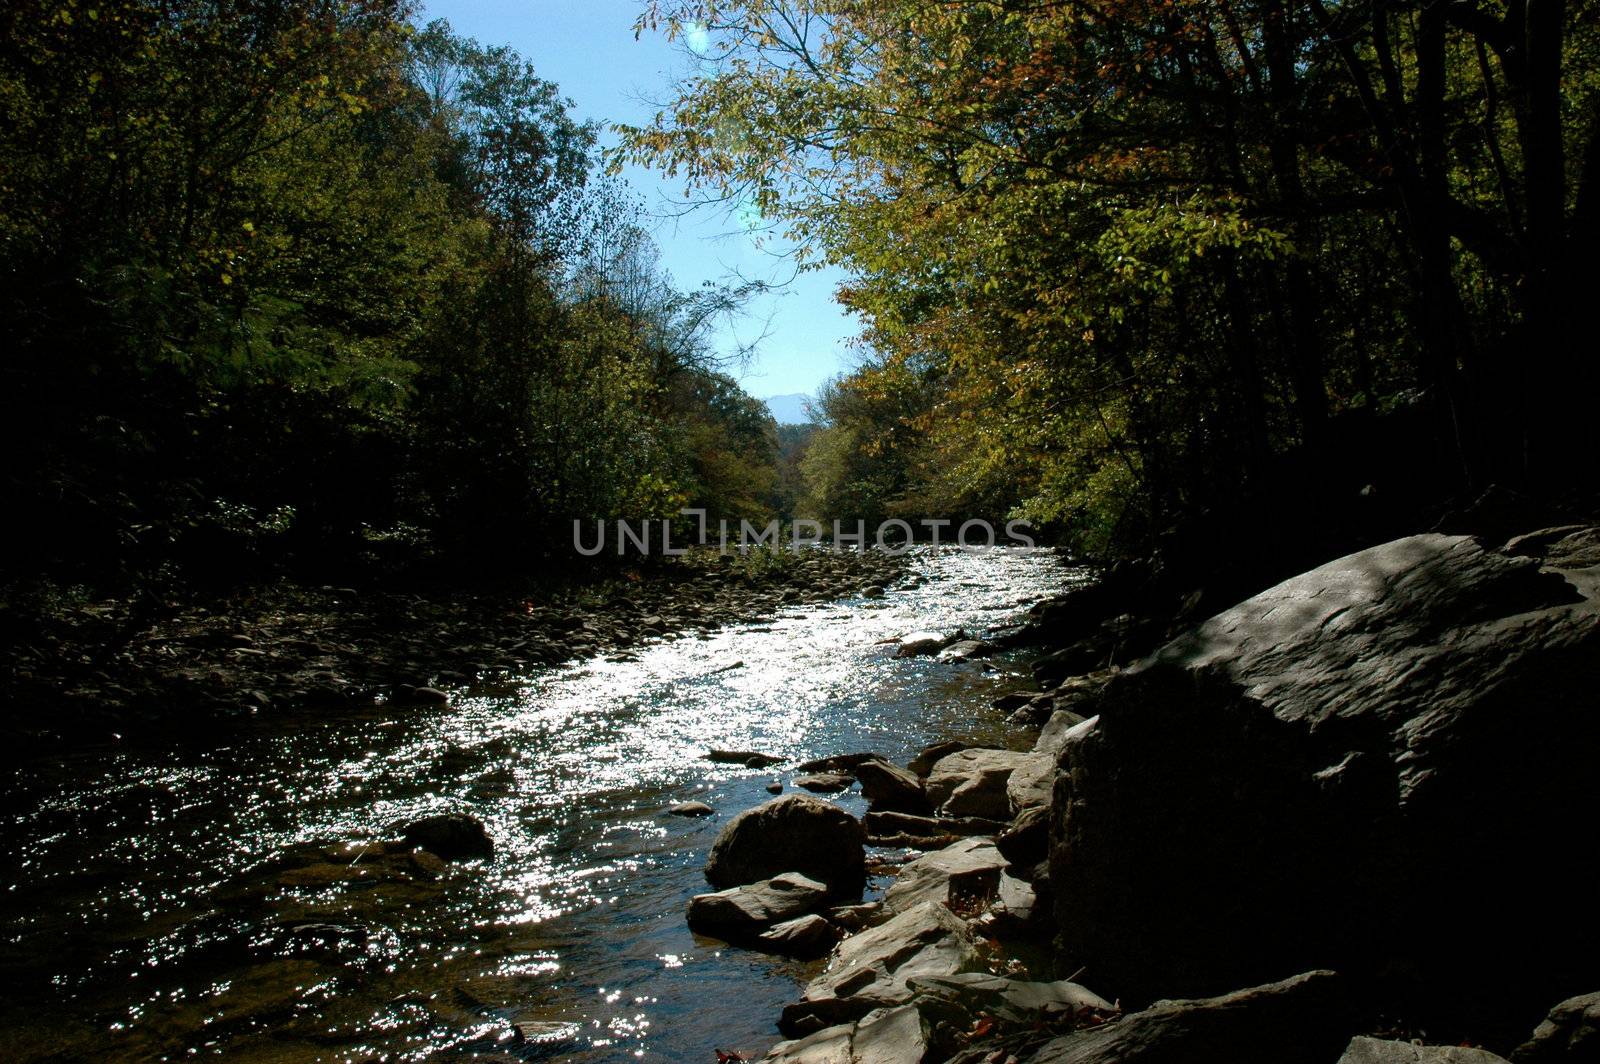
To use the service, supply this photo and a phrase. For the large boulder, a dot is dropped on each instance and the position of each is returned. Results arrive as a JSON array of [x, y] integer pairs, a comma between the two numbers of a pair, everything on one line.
[[1304, 1020], [1383, 764], [973, 782], [794, 833], [873, 969], [1026, 842]]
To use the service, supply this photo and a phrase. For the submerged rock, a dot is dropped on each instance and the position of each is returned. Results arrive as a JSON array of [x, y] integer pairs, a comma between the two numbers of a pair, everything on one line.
[[919, 644], [691, 809], [966, 650], [748, 758], [452, 836], [793, 833]]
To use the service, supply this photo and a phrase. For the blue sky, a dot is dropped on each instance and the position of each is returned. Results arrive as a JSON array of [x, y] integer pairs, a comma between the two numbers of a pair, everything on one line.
[[587, 48]]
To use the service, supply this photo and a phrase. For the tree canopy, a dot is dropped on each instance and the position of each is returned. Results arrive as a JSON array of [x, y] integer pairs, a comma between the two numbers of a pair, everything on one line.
[[304, 279], [1125, 261]]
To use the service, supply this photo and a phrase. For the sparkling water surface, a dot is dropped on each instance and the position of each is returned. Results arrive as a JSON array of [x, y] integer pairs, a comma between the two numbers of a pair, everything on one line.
[[149, 893]]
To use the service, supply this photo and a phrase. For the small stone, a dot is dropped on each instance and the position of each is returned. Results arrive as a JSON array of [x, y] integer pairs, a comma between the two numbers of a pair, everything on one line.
[[691, 809]]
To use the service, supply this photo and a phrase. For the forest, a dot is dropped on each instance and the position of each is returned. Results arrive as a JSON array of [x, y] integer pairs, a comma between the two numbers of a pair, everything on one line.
[[315, 284], [1172, 266], [313, 287]]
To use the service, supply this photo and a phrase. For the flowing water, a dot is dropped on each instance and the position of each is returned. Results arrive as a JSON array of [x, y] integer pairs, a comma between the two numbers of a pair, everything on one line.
[[178, 905]]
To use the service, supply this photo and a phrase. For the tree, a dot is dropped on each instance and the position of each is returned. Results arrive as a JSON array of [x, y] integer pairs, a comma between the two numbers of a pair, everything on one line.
[[1152, 248]]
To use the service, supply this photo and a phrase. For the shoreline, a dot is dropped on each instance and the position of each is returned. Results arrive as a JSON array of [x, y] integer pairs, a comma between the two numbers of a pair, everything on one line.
[[97, 674], [1155, 885]]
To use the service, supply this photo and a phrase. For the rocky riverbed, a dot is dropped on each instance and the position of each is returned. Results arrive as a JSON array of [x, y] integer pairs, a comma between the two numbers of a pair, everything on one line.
[[966, 820], [85, 671]]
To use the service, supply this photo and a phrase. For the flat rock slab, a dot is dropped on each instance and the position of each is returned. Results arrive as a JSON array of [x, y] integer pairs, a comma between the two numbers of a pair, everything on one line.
[[1014, 1002], [741, 912], [883, 1036], [825, 782], [1379, 1051], [1303, 1020], [930, 826], [873, 969], [805, 937], [966, 871], [1568, 1035]]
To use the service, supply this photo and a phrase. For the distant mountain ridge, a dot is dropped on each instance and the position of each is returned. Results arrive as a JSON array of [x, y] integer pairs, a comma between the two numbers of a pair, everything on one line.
[[789, 409]]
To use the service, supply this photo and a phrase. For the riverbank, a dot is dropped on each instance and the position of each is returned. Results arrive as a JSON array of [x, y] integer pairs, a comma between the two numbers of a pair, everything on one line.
[[83, 672], [1306, 830]]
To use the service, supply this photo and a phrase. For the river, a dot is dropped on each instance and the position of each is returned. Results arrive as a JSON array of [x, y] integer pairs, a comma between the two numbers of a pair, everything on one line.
[[192, 903]]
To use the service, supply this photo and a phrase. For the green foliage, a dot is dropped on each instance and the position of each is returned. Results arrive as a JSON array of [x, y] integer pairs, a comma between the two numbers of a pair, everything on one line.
[[1143, 259], [300, 281]]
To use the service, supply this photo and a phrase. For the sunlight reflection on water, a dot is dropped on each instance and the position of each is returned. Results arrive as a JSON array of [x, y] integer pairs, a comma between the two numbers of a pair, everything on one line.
[[147, 913]]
